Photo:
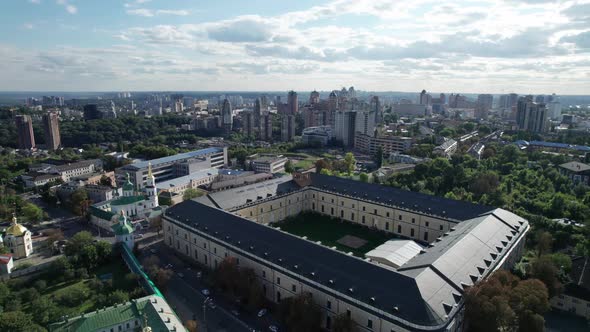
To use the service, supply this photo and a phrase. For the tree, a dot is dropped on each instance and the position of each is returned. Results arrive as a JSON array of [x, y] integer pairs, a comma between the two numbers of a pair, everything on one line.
[[503, 302], [106, 181], [379, 157], [116, 297], [156, 224], [299, 313], [15, 321], [44, 310], [191, 193], [191, 325], [322, 164], [77, 242], [350, 162], [343, 323], [544, 243], [289, 166], [32, 212], [103, 250], [364, 177], [544, 269], [79, 202]]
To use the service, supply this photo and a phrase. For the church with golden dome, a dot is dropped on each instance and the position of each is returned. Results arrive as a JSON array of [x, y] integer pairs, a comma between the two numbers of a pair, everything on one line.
[[17, 239]]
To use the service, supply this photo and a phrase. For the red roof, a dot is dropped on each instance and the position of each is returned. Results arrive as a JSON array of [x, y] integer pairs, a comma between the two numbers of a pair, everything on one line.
[[5, 258]]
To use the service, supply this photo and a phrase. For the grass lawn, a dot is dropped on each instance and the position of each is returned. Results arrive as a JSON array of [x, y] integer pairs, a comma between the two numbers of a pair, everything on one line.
[[323, 228], [304, 164], [56, 290], [118, 268]]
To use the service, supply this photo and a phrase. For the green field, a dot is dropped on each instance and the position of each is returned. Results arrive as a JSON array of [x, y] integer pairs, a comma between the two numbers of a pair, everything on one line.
[[328, 230]]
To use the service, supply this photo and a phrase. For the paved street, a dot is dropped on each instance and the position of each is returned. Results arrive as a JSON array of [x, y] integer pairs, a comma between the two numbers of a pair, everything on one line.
[[184, 295]]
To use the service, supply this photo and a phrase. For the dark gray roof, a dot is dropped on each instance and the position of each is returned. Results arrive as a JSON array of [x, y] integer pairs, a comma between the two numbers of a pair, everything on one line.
[[232, 198], [408, 200], [390, 289]]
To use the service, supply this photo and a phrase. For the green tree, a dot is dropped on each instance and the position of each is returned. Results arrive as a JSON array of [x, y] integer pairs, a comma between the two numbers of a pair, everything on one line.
[[350, 162], [44, 310], [16, 321], [191, 193], [378, 158], [32, 212], [79, 202], [364, 177], [77, 242], [289, 167], [544, 269]]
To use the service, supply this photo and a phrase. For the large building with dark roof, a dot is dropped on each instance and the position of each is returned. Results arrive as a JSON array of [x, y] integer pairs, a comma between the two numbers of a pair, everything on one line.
[[464, 243]]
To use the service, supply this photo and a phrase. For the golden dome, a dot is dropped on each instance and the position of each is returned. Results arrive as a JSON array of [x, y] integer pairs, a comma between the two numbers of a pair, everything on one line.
[[16, 229]]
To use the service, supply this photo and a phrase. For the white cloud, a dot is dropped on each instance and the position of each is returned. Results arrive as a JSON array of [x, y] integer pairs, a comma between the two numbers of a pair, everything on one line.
[[28, 26], [35, 1], [151, 13], [68, 6]]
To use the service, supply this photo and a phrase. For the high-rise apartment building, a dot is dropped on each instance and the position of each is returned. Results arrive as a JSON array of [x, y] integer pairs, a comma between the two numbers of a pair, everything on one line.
[[292, 103], [248, 123], [226, 117], [365, 123], [287, 127], [24, 129], [265, 127], [531, 116], [314, 98], [257, 111], [344, 127], [51, 128]]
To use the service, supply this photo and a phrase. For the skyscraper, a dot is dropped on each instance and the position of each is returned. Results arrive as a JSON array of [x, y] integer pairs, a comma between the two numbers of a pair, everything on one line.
[[24, 129], [314, 98], [265, 128], [257, 112], [51, 128], [287, 127], [424, 98], [531, 116], [248, 123], [226, 117], [365, 123], [344, 127], [375, 106], [293, 106]]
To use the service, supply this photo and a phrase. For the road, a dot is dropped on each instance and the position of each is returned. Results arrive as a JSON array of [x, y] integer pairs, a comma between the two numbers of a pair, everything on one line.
[[184, 295]]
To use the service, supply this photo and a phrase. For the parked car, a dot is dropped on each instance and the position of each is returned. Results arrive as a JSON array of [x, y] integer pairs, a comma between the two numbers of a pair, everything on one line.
[[205, 292], [273, 328], [180, 274], [168, 266], [153, 251], [262, 312], [199, 274], [235, 312], [212, 305]]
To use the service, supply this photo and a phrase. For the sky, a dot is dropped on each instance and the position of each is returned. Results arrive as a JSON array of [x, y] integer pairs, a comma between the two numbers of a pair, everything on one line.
[[523, 46]]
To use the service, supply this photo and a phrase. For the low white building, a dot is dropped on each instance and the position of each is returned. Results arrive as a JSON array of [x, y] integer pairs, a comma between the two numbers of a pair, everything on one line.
[[268, 163], [6, 264], [394, 253]]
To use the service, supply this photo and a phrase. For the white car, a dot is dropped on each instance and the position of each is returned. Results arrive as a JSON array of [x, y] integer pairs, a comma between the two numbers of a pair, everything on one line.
[[180, 274], [212, 305], [262, 312], [273, 328], [205, 292]]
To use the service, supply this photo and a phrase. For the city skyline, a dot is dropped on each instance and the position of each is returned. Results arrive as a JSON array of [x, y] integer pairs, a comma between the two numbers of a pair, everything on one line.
[[538, 47]]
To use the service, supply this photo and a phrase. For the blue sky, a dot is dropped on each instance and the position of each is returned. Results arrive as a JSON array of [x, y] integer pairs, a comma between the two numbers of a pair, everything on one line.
[[527, 46]]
